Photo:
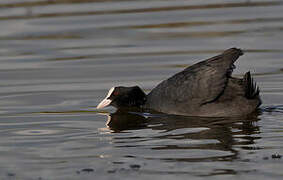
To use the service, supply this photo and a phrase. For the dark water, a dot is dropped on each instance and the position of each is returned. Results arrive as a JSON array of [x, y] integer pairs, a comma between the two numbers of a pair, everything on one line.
[[60, 57]]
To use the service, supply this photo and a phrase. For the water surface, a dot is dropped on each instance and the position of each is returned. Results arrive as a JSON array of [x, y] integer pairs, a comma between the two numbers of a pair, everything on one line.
[[60, 57]]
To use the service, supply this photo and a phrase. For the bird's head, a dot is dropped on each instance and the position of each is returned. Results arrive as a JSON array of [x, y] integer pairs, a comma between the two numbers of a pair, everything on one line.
[[123, 97]]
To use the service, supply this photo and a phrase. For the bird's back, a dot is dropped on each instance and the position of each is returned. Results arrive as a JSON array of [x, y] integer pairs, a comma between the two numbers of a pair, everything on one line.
[[204, 89]]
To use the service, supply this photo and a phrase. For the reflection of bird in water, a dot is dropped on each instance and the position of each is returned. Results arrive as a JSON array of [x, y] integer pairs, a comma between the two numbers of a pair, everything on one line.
[[204, 89], [120, 121], [178, 128]]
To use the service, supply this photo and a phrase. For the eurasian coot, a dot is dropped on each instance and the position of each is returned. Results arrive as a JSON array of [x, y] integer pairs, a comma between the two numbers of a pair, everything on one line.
[[203, 89]]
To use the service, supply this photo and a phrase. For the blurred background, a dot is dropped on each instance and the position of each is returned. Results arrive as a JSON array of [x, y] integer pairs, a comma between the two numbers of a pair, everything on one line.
[[58, 58]]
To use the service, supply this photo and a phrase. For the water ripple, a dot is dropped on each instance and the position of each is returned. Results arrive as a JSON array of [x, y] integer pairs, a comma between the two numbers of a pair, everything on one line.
[[59, 58]]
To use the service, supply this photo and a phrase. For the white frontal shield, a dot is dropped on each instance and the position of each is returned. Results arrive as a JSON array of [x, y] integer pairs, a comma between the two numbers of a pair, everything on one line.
[[105, 102]]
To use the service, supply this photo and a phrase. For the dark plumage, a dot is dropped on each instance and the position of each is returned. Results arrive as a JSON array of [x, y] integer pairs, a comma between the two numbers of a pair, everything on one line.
[[204, 89], [124, 97]]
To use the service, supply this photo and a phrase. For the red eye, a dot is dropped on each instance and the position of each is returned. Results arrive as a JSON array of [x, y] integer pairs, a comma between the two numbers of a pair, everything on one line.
[[115, 93]]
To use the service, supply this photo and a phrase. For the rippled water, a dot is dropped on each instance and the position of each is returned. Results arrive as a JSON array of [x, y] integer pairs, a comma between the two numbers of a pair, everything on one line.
[[59, 58]]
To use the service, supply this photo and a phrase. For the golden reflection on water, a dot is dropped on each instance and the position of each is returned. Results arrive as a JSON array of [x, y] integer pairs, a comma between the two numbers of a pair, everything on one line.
[[37, 132]]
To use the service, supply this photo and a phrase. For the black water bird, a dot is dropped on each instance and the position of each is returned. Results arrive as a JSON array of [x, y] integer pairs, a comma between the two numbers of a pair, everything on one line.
[[203, 89]]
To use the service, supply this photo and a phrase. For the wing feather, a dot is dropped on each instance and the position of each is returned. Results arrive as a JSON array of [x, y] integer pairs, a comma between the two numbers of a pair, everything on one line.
[[202, 83]]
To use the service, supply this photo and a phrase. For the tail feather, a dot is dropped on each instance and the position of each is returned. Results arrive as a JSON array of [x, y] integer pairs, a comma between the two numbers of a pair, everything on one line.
[[251, 89]]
